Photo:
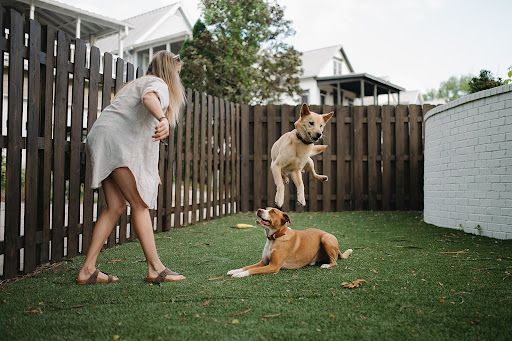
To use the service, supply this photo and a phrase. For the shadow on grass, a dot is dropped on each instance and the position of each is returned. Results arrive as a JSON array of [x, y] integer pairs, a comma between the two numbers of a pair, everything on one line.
[[421, 282]]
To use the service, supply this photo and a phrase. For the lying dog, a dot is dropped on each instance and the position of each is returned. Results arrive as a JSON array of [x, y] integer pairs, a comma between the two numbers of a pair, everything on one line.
[[289, 249], [292, 152]]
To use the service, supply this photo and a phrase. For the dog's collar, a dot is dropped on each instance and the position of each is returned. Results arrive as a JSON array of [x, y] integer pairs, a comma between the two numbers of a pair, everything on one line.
[[302, 140], [277, 234]]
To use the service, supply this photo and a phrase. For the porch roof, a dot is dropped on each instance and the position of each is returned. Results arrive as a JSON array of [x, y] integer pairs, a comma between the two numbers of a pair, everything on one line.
[[65, 17]]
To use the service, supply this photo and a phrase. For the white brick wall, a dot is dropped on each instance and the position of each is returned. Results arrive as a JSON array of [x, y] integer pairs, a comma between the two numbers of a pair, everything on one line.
[[468, 164]]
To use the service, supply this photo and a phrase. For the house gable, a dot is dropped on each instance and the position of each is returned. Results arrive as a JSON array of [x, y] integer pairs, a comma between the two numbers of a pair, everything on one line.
[[167, 21]]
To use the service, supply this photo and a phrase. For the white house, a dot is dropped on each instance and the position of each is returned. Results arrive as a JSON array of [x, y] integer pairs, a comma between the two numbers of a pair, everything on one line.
[[329, 78], [165, 28]]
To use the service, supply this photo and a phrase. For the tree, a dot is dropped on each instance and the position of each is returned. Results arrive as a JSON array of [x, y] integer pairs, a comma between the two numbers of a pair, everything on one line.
[[484, 81], [453, 88], [237, 51]]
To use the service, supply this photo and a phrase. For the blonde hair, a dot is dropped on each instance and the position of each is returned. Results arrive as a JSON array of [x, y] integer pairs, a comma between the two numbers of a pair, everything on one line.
[[164, 65]]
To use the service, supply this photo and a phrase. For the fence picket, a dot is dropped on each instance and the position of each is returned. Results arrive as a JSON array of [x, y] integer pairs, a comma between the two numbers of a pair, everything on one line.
[[373, 147], [326, 163], [401, 113], [209, 152], [32, 159], [271, 128], [46, 125], [187, 155], [59, 140], [92, 112], [222, 183], [202, 161], [195, 156], [387, 151], [245, 189], [77, 109]]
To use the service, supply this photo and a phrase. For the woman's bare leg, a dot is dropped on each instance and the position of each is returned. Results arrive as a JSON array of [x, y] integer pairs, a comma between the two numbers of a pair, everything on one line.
[[141, 220], [116, 205]]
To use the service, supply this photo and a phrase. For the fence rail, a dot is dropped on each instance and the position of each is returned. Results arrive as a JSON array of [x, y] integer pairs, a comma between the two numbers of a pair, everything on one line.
[[216, 162]]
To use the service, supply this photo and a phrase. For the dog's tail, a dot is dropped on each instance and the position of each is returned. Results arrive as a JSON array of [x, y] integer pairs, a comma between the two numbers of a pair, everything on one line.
[[345, 254]]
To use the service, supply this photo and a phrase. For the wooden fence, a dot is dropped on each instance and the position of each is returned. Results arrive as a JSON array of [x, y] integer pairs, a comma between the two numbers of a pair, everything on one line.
[[49, 208], [374, 159], [216, 162]]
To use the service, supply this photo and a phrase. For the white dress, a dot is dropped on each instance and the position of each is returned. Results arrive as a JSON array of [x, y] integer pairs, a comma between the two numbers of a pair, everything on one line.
[[122, 137]]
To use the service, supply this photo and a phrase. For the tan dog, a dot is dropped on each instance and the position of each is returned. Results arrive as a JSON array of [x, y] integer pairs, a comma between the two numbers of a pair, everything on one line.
[[289, 249], [292, 152]]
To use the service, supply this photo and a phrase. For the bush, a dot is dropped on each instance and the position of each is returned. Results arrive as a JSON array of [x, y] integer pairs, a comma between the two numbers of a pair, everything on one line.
[[484, 81]]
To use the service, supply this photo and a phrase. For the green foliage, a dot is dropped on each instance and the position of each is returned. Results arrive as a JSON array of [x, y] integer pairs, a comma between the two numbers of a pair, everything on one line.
[[237, 51], [509, 75], [484, 81], [453, 88]]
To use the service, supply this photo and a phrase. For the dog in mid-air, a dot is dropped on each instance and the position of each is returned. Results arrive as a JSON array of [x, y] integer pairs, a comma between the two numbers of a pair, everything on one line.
[[291, 249], [292, 152]]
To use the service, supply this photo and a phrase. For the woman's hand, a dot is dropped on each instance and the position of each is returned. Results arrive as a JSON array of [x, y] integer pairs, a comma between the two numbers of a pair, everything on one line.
[[161, 130]]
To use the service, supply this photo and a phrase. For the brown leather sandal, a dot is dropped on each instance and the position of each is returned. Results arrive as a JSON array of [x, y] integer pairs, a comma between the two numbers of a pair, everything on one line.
[[162, 277], [93, 279]]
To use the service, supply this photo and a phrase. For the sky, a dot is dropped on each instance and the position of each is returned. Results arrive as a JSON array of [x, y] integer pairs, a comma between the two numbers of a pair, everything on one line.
[[415, 44]]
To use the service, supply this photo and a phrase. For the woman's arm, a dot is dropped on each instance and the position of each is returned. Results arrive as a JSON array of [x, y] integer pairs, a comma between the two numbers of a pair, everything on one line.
[[152, 104]]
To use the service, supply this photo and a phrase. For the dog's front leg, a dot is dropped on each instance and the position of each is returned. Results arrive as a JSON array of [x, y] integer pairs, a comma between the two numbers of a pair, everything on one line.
[[278, 180], [310, 166], [235, 271], [272, 267], [297, 180]]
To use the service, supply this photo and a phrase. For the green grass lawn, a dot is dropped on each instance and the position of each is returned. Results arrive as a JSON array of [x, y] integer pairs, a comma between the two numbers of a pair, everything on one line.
[[416, 288]]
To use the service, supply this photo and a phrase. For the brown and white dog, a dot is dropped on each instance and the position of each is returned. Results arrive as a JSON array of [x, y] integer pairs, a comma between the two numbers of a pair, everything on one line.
[[292, 152], [290, 249]]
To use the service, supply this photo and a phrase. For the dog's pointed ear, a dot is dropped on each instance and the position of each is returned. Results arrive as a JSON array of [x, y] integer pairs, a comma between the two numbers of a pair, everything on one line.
[[286, 219], [328, 116], [304, 110]]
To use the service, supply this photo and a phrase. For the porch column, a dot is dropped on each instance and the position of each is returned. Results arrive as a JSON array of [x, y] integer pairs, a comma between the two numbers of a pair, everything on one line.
[[339, 99], [32, 11], [361, 86], [121, 44], [389, 96], [398, 94], [375, 97], [78, 24]]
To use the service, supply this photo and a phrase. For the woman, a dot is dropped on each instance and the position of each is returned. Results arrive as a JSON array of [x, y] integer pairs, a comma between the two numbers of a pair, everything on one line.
[[123, 149]]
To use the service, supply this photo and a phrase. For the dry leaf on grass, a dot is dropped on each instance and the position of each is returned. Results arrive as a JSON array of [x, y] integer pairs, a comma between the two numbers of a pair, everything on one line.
[[216, 278], [461, 252], [240, 313], [116, 260], [34, 311], [354, 284]]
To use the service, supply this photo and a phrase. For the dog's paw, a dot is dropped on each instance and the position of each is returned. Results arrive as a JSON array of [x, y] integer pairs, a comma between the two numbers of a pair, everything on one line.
[[286, 180], [241, 274], [279, 200], [326, 266], [302, 201], [323, 178], [234, 271]]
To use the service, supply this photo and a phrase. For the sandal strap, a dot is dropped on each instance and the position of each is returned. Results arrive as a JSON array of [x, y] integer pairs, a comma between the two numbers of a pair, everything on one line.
[[94, 277], [165, 272]]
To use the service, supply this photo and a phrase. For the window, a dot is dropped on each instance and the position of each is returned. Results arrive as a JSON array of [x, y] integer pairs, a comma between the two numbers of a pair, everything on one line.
[[158, 48], [175, 47], [305, 97], [143, 59]]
